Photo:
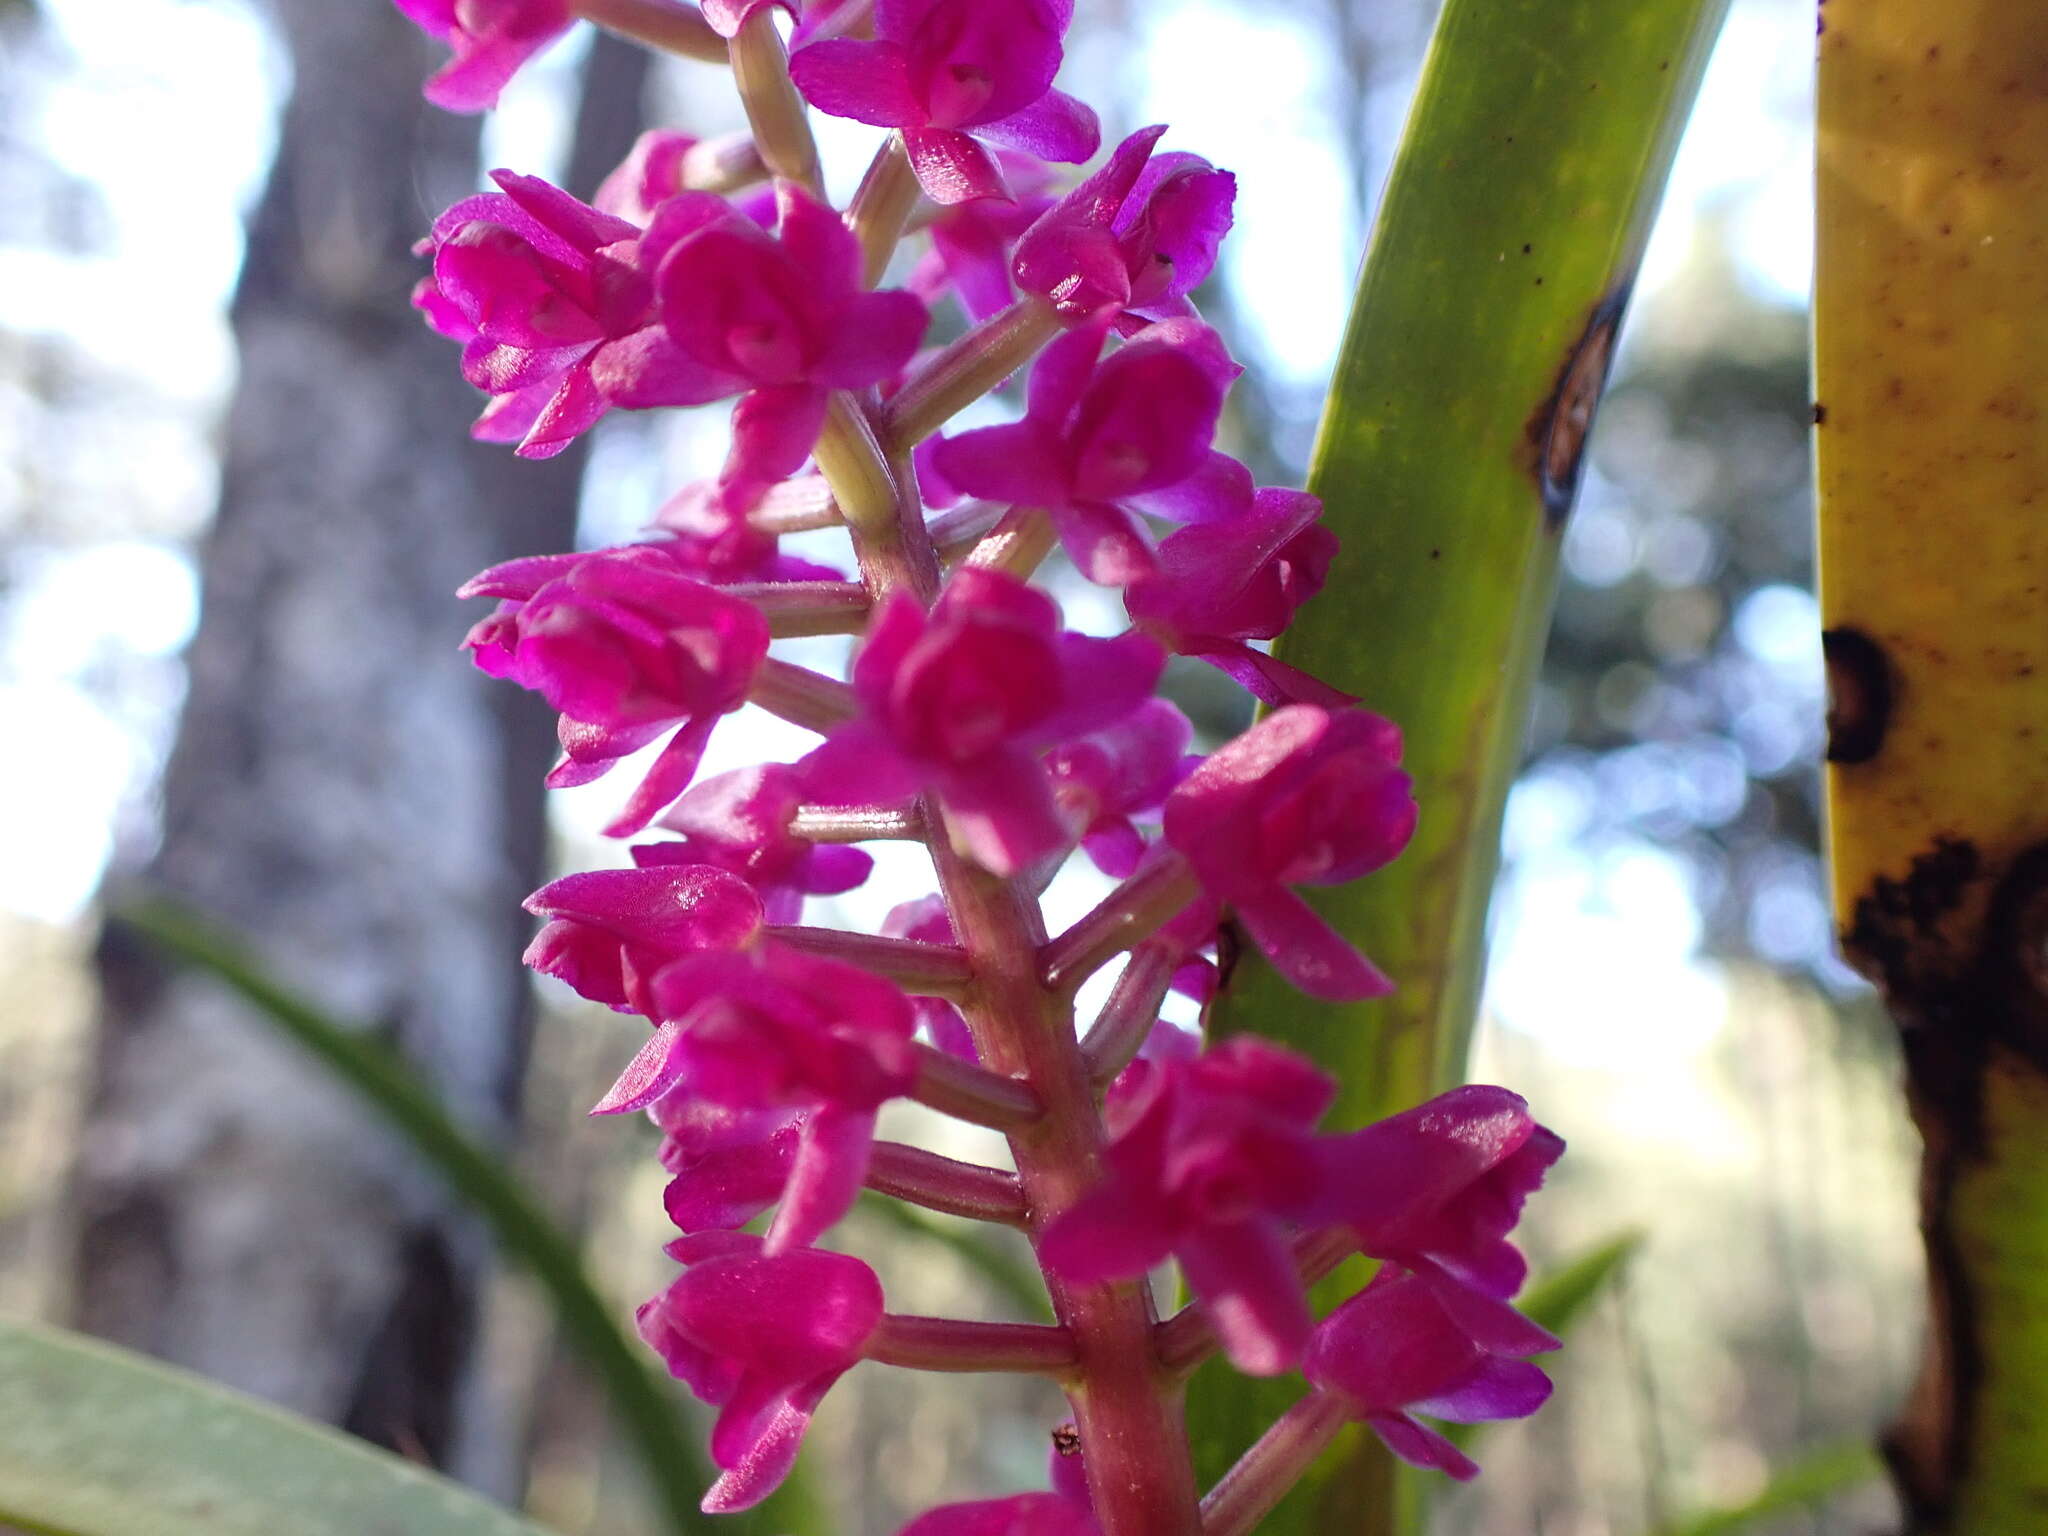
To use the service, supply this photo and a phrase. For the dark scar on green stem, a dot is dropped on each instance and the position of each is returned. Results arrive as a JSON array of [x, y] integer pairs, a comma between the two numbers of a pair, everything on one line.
[[1558, 428]]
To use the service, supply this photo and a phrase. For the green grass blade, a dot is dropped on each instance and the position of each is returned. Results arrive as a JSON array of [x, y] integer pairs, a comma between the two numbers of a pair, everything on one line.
[[1557, 1301], [1560, 1298], [1532, 164], [643, 1407], [100, 1442], [1818, 1475]]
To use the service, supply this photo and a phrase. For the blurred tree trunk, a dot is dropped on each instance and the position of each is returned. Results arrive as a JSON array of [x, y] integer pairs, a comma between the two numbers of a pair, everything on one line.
[[345, 791]]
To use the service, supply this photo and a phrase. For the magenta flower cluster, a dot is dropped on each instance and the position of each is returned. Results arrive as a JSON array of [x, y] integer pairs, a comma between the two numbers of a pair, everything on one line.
[[975, 723]]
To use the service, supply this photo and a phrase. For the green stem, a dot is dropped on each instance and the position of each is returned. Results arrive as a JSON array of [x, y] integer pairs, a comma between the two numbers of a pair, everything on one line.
[[1518, 207], [662, 24], [782, 132], [965, 370], [881, 207]]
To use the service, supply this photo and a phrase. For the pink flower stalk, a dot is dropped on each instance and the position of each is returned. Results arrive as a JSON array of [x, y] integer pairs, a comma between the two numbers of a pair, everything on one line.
[[1405, 1345], [950, 74], [770, 1027], [973, 724], [762, 1337], [1134, 239], [739, 822], [1308, 796], [1102, 441], [552, 301], [1214, 1152], [628, 649], [959, 701], [490, 40], [783, 317]]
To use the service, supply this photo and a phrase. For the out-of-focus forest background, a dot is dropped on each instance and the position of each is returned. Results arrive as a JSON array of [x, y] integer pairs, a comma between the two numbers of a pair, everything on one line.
[[345, 792]]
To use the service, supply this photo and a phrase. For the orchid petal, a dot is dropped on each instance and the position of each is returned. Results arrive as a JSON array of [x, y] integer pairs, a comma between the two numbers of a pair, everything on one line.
[[1055, 127], [952, 167], [866, 82]]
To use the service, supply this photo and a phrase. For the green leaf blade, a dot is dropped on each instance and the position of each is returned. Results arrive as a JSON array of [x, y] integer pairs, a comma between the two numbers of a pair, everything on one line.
[[1799, 1484], [1562, 1297], [1517, 211], [1519, 205], [99, 1442], [645, 1410]]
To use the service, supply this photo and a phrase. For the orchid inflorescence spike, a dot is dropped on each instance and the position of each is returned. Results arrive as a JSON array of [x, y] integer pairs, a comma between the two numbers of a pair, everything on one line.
[[975, 722]]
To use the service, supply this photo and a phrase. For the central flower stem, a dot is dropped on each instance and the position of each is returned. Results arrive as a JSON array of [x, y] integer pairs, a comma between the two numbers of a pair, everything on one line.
[[1128, 1410], [1127, 1404]]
